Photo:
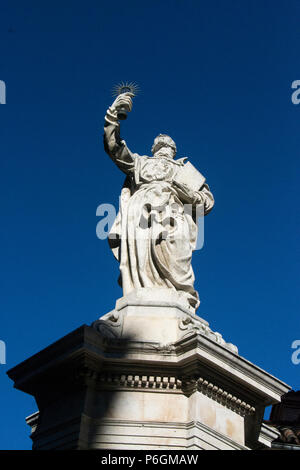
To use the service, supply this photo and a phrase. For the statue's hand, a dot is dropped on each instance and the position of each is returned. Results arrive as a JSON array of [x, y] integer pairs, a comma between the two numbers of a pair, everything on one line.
[[123, 101], [194, 197], [183, 190]]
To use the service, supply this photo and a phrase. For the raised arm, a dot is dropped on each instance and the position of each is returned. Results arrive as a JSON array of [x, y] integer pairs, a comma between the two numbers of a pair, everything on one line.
[[113, 144]]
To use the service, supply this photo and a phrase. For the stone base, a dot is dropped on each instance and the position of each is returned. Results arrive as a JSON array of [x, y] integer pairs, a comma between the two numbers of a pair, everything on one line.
[[156, 315], [148, 375]]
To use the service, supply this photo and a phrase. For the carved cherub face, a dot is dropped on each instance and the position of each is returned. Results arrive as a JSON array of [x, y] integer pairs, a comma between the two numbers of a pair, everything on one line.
[[163, 146]]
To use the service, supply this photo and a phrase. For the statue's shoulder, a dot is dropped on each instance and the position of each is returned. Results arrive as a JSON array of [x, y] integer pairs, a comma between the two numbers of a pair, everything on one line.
[[181, 161], [142, 158]]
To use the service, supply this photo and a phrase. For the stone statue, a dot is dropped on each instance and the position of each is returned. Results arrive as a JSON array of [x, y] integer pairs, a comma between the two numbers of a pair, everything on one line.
[[155, 231]]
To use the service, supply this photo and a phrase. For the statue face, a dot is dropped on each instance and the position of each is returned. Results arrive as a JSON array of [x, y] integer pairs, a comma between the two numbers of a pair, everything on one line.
[[164, 151], [163, 145]]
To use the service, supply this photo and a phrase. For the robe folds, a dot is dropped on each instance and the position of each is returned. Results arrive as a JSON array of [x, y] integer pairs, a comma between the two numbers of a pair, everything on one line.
[[155, 232]]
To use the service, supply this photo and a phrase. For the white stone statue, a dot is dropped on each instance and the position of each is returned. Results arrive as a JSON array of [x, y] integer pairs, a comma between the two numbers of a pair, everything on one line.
[[155, 231]]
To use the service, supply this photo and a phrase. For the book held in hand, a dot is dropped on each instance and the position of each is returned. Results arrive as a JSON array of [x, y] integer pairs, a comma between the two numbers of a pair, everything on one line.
[[189, 176]]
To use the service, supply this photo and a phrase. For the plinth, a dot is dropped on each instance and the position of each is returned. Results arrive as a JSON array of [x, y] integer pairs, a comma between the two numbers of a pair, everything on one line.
[[148, 375]]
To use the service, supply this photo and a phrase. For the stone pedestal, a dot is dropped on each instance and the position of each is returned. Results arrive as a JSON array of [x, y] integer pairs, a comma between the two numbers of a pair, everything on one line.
[[148, 375]]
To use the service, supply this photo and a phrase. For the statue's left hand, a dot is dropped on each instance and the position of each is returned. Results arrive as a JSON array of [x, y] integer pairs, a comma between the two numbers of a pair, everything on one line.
[[183, 190], [193, 196]]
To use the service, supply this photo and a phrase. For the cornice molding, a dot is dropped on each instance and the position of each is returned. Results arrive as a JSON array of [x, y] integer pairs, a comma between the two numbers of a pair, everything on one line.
[[191, 385]]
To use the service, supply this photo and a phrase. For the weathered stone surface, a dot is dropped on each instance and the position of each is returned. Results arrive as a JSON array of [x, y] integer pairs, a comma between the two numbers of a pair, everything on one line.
[[155, 232], [150, 373], [160, 315], [98, 391]]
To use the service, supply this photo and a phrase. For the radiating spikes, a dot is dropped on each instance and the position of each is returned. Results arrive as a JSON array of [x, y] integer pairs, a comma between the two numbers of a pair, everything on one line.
[[125, 87]]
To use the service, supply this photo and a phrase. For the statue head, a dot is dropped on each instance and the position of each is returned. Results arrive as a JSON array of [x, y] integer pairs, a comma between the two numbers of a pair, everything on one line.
[[164, 145]]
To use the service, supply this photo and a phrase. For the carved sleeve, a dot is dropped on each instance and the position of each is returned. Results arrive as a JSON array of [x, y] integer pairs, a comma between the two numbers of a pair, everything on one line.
[[204, 196], [114, 145]]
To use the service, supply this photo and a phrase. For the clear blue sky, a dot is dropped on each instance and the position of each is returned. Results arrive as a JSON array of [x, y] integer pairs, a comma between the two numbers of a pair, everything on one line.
[[216, 76]]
